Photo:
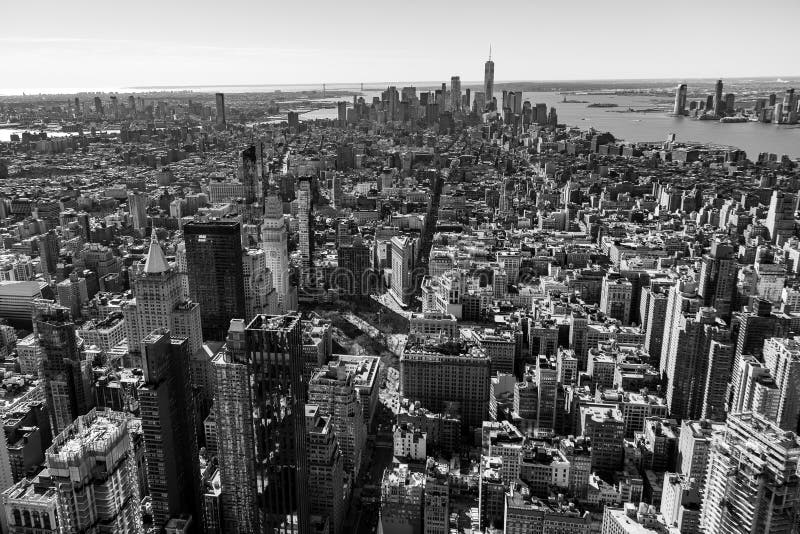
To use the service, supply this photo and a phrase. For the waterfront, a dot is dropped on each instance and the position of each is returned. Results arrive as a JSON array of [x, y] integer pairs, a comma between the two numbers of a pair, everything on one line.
[[634, 126]]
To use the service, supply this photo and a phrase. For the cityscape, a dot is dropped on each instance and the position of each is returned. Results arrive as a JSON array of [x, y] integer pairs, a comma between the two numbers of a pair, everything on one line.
[[445, 307]]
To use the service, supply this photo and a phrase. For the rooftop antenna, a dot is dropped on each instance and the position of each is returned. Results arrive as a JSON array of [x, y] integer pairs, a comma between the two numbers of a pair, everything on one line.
[[490, 51]]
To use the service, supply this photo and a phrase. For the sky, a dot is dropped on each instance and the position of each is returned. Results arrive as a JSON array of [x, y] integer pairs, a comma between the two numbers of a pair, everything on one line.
[[88, 44]]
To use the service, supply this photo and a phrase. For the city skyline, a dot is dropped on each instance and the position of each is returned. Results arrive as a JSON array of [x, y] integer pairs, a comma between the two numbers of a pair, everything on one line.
[[229, 49]]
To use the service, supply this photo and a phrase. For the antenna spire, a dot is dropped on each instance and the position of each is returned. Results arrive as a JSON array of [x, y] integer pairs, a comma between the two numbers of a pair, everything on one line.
[[490, 51]]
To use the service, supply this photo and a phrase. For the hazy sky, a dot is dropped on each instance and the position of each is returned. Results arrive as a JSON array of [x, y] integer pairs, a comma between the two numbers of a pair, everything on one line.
[[93, 44]]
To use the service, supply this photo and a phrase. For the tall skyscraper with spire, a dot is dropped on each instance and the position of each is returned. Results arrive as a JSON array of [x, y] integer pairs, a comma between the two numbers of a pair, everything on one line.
[[160, 303], [488, 79]]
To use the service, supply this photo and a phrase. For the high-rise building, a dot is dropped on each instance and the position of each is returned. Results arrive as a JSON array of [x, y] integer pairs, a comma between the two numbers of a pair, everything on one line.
[[717, 282], [342, 113], [680, 100], [261, 426], [616, 297], [235, 439], [453, 372], [92, 467], [216, 275], [752, 478], [455, 93], [305, 230], [488, 81], [605, 427], [274, 241], [137, 208], [66, 374], [404, 253], [49, 247], [694, 443], [780, 217], [325, 470], [220, 99], [159, 303], [719, 103], [680, 503], [689, 363], [168, 415], [333, 391], [782, 359], [355, 265], [259, 295]]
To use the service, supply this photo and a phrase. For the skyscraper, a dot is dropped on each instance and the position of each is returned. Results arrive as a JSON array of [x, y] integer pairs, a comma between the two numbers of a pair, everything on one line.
[[216, 275], [168, 424], [780, 217], [67, 376], [455, 93], [717, 283], [680, 100], [325, 470], [306, 232], [274, 241], [137, 208], [488, 80], [261, 426], [220, 98], [782, 359], [159, 303], [752, 478], [719, 102], [93, 470]]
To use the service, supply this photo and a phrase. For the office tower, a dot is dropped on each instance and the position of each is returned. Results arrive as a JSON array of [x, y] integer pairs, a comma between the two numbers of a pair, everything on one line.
[[132, 105], [355, 263], [259, 295], [49, 247], [72, 293], [605, 427], [689, 363], [114, 107], [260, 426], [654, 311], [98, 106], [718, 103], [67, 376], [342, 109], [437, 375], [752, 478], [680, 100], [293, 118], [777, 114], [682, 300], [404, 253], [680, 503], [488, 81], [616, 297], [455, 93], [753, 389], [159, 303], [782, 360], [780, 217], [694, 443], [168, 415], [333, 391], [220, 99], [274, 241], [717, 282], [137, 208], [306, 232], [92, 467], [541, 114], [251, 178], [216, 274], [235, 439], [325, 470], [718, 376], [730, 103]]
